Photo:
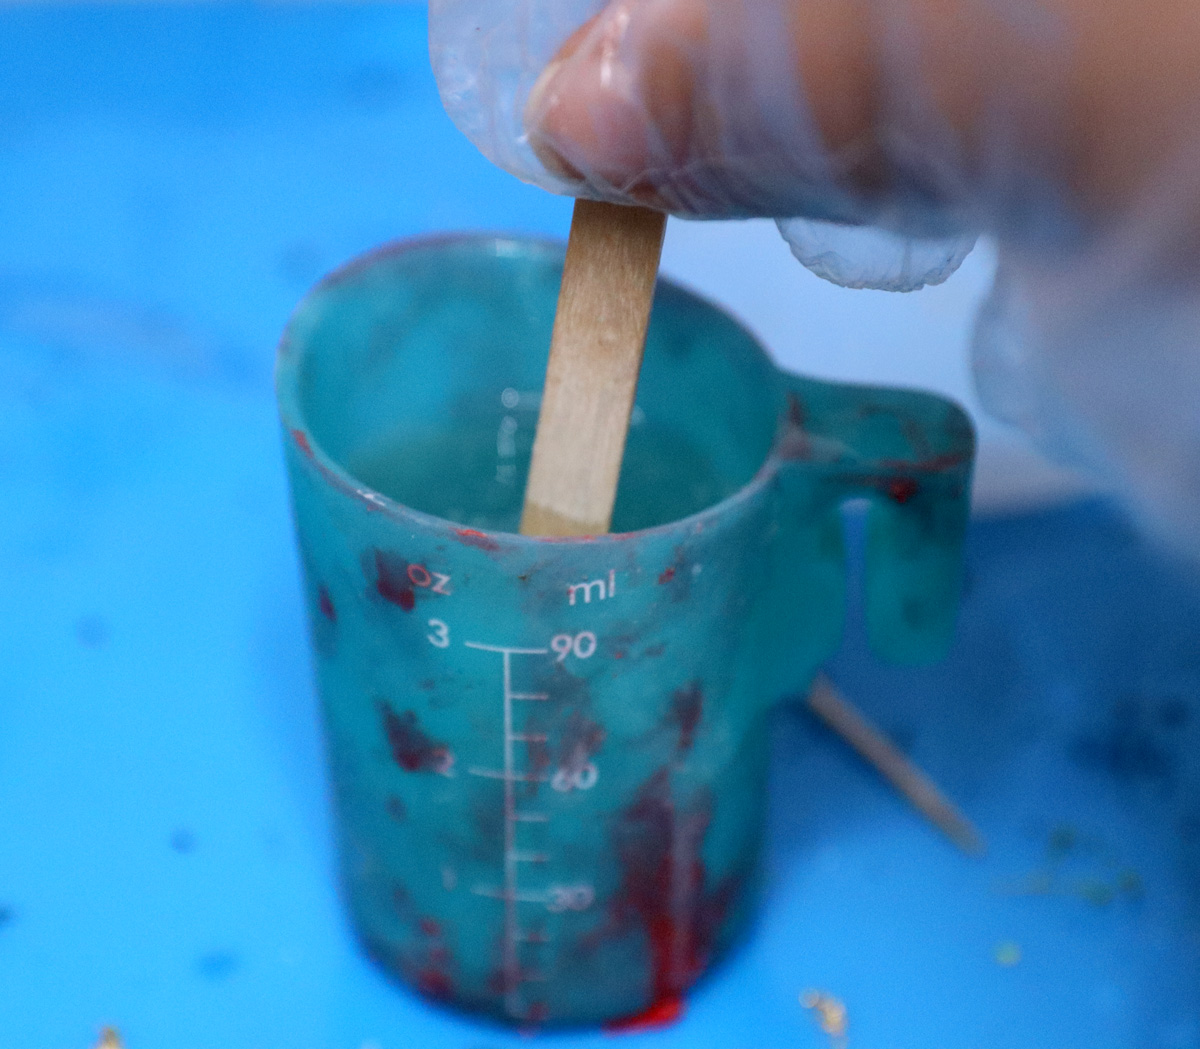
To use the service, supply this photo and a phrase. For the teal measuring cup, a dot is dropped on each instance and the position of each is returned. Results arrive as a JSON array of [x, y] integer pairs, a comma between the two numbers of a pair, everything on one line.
[[549, 757]]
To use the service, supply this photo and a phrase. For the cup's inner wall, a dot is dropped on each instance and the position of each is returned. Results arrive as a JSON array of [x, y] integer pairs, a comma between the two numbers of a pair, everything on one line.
[[420, 374]]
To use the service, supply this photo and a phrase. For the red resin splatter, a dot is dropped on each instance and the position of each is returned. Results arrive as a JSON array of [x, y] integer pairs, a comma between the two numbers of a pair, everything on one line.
[[658, 846], [425, 963], [930, 464], [411, 748], [475, 538], [499, 983], [538, 761], [433, 978], [797, 413], [435, 983], [795, 442], [392, 581], [662, 1013], [902, 489], [581, 739], [301, 439], [325, 602], [676, 577], [687, 706]]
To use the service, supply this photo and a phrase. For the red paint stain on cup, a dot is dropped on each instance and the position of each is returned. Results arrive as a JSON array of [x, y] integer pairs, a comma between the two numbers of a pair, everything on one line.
[[472, 537], [325, 603], [662, 1013], [392, 582], [301, 439], [412, 749], [664, 890]]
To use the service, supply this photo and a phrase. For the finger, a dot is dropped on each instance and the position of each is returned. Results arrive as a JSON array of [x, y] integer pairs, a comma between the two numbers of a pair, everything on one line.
[[599, 115], [844, 108], [701, 107]]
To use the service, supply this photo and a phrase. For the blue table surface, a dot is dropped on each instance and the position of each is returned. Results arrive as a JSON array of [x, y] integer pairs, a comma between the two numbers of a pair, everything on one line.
[[171, 179]]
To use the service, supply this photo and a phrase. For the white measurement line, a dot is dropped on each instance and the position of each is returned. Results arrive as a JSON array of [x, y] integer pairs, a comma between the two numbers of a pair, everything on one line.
[[530, 737], [495, 892], [507, 651], [513, 777], [531, 817], [531, 857], [536, 697]]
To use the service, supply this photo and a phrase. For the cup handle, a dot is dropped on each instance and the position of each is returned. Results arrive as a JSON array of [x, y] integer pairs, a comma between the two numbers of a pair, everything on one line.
[[911, 454]]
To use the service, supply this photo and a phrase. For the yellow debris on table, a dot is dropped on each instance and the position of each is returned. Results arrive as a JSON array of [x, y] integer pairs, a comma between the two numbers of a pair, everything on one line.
[[110, 1039], [1008, 953], [830, 1013]]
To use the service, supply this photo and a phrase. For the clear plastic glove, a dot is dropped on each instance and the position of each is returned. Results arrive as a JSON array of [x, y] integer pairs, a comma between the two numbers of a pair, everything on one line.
[[884, 135]]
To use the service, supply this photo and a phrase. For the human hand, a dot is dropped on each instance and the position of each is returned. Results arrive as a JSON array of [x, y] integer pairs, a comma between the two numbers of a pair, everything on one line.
[[1065, 129]]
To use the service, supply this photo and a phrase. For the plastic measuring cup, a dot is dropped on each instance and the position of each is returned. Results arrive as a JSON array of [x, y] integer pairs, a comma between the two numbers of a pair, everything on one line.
[[549, 756]]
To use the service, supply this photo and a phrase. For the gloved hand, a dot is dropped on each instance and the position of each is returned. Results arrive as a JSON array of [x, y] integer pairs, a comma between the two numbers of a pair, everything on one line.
[[885, 135]]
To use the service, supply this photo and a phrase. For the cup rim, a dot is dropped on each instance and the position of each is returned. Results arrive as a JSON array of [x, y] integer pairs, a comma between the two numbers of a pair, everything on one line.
[[292, 417]]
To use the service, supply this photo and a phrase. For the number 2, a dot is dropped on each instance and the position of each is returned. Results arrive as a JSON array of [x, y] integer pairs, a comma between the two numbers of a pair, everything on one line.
[[440, 638]]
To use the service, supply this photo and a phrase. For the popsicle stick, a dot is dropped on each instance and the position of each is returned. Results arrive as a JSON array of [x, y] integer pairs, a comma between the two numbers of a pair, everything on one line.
[[910, 781], [595, 357]]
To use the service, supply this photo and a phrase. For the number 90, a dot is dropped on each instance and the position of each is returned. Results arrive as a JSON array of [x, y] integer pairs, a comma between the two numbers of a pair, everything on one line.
[[582, 645]]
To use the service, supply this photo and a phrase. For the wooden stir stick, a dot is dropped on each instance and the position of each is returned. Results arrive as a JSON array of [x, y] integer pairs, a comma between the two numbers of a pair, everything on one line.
[[595, 358]]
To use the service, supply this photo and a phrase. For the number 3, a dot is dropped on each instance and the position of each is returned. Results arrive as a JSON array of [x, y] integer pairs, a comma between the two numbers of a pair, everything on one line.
[[440, 638]]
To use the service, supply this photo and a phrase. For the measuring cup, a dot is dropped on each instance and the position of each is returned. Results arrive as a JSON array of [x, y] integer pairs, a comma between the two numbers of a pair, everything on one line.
[[549, 757]]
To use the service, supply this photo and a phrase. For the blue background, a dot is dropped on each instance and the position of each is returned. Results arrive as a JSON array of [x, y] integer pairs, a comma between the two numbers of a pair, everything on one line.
[[171, 180]]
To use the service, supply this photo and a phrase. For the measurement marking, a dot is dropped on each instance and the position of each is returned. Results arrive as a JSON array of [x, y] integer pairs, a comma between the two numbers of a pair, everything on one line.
[[512, 961], [510, 893], [535, 977], [496, 893], [531, 857], [506, 651], [510, 777]]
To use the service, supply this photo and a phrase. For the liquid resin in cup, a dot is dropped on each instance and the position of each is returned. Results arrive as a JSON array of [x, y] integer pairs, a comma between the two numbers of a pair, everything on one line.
[[664, 476]]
